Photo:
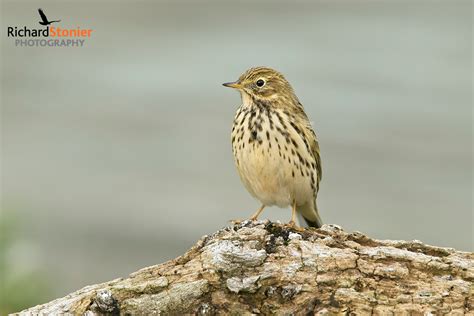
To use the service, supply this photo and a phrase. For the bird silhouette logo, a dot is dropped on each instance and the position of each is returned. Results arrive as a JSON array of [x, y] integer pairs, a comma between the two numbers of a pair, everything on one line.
[[44, 19]]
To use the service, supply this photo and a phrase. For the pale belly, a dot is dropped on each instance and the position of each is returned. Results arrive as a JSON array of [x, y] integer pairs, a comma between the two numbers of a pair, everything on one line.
[[265, 177]]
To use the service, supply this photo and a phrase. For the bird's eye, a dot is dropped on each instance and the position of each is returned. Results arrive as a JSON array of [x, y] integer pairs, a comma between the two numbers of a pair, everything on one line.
[[260, 83]]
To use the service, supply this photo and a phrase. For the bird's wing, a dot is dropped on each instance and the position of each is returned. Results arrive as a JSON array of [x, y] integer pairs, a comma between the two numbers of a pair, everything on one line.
[[314, 146], [312, 140], [43, 16]]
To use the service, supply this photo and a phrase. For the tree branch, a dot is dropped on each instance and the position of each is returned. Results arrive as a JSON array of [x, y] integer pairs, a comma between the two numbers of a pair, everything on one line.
[[264, 267]]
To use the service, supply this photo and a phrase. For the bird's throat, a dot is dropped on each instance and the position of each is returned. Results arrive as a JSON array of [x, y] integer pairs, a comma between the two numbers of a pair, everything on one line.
[[246, 99]]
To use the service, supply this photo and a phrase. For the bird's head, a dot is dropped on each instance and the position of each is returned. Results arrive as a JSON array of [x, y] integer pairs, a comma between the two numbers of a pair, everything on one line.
[[263, 83]]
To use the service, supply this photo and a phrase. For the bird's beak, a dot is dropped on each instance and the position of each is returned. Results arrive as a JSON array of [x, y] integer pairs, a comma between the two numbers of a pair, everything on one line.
[[235, 85]]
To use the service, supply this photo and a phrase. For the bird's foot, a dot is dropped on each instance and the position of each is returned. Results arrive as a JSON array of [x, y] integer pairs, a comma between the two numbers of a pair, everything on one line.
[[294, 226], [236, 221]]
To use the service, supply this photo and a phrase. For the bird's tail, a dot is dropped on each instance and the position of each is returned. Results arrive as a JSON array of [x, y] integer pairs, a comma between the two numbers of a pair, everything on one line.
[[310, 213]]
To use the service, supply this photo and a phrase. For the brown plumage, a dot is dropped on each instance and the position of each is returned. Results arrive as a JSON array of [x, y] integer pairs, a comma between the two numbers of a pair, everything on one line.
[[275, 148]]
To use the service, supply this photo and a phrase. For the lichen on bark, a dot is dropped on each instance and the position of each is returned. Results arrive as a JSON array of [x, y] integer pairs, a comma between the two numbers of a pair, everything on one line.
[[267, 268]]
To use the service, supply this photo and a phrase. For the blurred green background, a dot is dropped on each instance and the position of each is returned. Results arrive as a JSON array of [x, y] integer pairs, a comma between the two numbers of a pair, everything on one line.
[[117, 155], [22, 282]]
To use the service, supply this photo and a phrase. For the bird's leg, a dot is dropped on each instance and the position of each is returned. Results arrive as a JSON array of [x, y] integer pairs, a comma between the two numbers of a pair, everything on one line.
[[257, 213], [293, 214]]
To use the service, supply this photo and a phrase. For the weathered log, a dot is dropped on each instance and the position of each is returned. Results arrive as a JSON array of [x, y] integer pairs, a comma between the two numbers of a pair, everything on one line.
[[264, 268]]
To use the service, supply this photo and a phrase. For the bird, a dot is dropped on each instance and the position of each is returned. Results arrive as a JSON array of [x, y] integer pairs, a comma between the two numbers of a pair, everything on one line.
[[44, 19], [275, 148]]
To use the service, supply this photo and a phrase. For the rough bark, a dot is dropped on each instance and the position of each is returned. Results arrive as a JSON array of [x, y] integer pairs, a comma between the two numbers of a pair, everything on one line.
[[265, 268]]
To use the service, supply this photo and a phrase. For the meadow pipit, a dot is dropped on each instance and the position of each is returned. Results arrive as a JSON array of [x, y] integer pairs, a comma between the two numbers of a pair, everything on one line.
[[275, 148]]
